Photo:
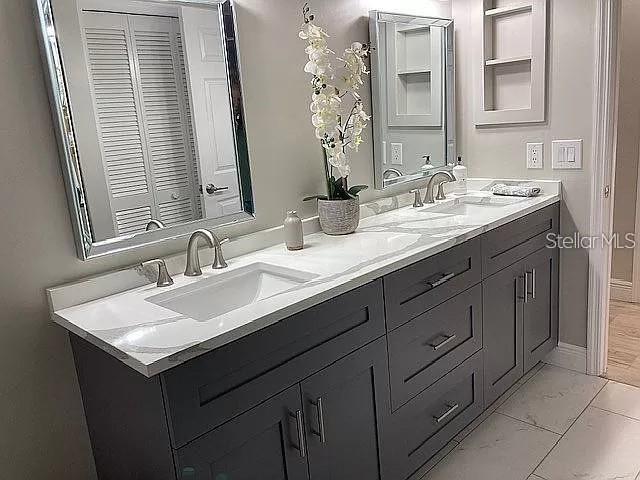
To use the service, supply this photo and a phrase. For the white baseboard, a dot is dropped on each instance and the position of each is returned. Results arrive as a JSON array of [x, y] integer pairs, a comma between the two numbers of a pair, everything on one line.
[[621, 290], [571, 357]]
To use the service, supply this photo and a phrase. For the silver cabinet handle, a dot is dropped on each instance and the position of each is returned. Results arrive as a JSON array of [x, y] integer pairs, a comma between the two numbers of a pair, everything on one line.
[[320, 433], [445, 415], [211, 189], [533, 284], [444, 279], [300, 428], [526, 288], [448, 339]]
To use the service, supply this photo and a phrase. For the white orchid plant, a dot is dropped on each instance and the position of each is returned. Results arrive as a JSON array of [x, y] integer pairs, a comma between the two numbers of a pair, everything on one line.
[[338, 114]]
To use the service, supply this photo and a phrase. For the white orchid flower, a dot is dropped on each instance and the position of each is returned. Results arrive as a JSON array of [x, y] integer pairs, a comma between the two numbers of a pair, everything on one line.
[[337, 129]]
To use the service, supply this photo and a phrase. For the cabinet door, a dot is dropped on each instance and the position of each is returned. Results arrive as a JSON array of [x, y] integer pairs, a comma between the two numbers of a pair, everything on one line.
[[503, 297], [346, 406], [541, 306], [266, 442]]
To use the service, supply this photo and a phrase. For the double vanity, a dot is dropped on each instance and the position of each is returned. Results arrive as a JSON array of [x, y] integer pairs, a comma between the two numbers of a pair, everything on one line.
[[358, 357]]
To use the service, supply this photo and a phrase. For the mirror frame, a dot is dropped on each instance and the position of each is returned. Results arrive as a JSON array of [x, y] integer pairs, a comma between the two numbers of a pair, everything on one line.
[[62, 115], [448, 92]]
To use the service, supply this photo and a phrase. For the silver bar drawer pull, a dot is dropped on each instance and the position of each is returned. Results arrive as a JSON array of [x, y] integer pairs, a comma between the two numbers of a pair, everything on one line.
[[533, 284], [320, 433], [301, 447], [443, 279], [448, 339], [447, 414]]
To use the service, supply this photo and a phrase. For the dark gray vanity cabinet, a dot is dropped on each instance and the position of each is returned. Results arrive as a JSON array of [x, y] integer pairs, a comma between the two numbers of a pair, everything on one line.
[[520, 300], [325, 427], [370, 384]]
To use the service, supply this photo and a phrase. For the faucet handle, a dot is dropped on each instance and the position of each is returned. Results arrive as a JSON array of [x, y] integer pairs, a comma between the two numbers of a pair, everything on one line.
[[441, 195], [164, 279], [218, 258], [417, 200]]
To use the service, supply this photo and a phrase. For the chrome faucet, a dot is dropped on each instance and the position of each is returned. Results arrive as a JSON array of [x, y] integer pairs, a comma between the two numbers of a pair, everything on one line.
[[428, 198], [193, 258], [389, 174]]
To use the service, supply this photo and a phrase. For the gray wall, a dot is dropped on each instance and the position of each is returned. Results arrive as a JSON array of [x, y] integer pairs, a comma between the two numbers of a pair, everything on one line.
[[501, 152], [42, 431], [628, 144]]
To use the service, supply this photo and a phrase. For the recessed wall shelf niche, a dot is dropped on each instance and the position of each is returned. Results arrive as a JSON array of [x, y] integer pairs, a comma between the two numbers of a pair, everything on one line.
[[414, 75], [511, 66]]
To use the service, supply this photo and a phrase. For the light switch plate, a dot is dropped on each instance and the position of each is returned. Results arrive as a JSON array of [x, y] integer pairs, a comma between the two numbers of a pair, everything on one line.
[[396, 154], [535, 155], [566, 154]]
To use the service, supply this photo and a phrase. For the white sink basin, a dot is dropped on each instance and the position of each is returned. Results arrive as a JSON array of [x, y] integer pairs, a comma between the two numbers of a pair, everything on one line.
[[215, 296], [473, 204]]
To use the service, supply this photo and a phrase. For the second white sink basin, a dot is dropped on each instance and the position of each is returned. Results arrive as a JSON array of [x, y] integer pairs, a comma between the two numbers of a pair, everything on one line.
[[493, 201], [215, 296], [472, 204]]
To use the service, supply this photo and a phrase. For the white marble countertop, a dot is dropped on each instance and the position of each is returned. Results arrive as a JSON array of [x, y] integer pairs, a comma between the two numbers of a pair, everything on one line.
[[152, 339]]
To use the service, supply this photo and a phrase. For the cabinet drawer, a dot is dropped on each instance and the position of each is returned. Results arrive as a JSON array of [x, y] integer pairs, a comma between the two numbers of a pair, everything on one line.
[[215, 387], [428, 422], [417, 288], [506, 245], [432, 344]]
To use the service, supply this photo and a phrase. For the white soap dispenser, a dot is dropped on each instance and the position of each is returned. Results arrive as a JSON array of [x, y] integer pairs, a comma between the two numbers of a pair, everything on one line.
[[460, 172], [427, 167]]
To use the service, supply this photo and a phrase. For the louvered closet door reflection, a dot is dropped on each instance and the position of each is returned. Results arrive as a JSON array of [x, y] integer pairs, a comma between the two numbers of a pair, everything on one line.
[[164, 106], [138, 82], [118, 120]]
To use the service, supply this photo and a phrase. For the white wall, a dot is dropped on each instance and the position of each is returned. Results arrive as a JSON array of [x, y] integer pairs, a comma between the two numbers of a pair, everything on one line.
[[501, 152], [42, 430]]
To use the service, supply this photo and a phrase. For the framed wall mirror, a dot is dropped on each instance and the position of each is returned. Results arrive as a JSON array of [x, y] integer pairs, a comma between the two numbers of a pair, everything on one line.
[[147, 100], [412, 83]]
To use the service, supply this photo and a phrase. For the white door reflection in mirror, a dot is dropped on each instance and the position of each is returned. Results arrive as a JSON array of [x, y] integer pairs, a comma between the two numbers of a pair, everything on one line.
[[211, 111]]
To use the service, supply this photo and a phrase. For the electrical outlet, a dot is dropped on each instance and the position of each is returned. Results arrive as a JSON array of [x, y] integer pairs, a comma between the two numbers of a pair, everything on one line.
[[396, 154], [535, 155]]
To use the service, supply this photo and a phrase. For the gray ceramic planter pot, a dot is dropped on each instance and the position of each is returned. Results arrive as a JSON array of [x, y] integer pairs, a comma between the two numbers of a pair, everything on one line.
[[339, 217]]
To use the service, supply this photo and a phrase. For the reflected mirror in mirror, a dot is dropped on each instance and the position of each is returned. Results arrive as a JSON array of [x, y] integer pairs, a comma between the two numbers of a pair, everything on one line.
[[412, 88], [148, 100]]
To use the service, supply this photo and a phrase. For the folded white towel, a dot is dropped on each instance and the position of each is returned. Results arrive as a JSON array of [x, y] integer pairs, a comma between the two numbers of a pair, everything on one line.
[[515, 190]]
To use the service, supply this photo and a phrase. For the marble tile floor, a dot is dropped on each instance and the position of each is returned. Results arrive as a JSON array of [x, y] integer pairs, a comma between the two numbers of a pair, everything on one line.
[[554, 424], [623, 363]]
